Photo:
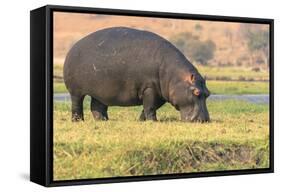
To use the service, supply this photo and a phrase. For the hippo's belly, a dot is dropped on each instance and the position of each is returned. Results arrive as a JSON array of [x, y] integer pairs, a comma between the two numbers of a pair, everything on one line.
[[115, 92]]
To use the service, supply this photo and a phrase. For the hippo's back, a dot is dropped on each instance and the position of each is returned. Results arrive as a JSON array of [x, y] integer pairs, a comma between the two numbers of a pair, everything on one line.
[[115, 65]]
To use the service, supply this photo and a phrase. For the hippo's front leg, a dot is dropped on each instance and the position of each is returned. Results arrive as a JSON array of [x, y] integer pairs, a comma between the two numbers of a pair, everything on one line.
[[149, 104], [142, 116], [157, 106]]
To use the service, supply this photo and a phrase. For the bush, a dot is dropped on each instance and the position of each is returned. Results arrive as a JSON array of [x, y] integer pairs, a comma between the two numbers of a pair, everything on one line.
[[202, 52], [193, 48], [257, 40], [256, 69], [198, 27]]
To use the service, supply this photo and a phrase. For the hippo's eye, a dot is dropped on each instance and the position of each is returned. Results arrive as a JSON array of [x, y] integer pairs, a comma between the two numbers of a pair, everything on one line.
[[196, 92]]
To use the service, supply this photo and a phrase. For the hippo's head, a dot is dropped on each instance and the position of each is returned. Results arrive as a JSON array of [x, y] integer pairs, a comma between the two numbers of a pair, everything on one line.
[[189, 97]]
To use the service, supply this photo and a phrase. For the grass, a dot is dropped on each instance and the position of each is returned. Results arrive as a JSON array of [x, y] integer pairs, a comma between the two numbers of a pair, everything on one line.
[[232, 73], [237, 138], [59, 87], [238, 87], [216, 87], [58, 70]]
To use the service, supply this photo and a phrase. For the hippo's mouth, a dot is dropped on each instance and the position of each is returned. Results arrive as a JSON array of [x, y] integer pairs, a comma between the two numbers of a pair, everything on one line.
[[195, 114]]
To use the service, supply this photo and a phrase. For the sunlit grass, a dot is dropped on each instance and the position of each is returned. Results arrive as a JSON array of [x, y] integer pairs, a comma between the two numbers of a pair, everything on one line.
[[232, 73], [58, 70], [238, 87], [237, 138], [59, 87]]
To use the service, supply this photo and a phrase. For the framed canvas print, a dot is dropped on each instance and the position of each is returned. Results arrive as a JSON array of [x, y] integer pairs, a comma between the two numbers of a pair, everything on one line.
[[122, 95]]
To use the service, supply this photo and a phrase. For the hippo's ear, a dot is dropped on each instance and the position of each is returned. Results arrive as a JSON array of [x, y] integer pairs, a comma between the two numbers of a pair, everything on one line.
[[192, 78]]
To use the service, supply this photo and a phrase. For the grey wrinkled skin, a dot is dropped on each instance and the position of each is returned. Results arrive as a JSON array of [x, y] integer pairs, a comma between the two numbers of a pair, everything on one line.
[[127, 67]]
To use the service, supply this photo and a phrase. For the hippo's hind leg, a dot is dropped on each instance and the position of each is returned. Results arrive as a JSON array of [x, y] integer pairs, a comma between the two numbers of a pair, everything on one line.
[[151, 102], [99, 110], [77, 107]]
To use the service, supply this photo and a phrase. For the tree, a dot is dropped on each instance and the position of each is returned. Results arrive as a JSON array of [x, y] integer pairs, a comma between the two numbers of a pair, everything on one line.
[[193, 48], [229, 34], [202, 52], [198, 27], [259, 41]]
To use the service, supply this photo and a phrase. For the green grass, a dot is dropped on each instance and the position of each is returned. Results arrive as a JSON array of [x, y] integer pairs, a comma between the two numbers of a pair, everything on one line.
[[232, 73], [216, 87], [238, 87], [59, 87], [237, 138], [58, 70]]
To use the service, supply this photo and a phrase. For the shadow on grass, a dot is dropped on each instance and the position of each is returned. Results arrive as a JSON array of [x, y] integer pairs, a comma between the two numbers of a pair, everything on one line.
[[169, 119]]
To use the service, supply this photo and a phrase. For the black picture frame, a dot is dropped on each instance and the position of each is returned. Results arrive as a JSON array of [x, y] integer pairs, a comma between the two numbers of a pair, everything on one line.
[[41, 94]]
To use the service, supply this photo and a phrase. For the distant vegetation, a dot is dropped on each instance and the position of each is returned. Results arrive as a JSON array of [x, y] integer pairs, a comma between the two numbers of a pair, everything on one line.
[[196, 50], [202, 52], [258, 43]]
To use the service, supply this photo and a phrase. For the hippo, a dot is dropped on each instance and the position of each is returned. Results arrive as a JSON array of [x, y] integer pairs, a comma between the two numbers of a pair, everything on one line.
[[122, 66]]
